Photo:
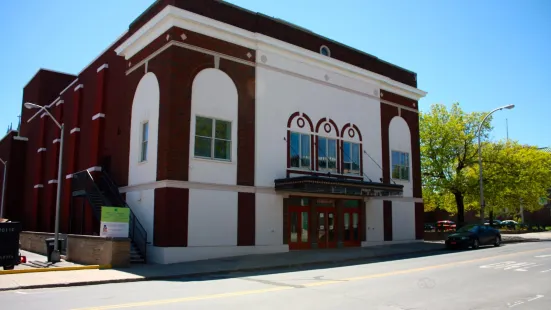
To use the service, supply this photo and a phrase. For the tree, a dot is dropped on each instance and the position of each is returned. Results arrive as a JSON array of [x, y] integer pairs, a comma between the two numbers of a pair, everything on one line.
[[448, 152], [511, 173]]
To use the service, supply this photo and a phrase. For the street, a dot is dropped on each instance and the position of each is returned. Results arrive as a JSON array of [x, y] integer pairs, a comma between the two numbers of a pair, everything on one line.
[[512, 276]]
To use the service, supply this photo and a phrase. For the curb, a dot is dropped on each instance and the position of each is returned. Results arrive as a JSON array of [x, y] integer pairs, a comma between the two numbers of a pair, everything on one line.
[[212, 273], [20, 271]]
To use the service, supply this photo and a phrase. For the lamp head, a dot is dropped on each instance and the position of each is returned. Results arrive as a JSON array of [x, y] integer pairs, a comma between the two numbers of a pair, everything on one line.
[[29, 105], [510, 106]]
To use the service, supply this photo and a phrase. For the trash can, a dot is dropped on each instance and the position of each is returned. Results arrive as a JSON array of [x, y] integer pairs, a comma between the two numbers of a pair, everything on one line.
[[50, 247], [9, 244]]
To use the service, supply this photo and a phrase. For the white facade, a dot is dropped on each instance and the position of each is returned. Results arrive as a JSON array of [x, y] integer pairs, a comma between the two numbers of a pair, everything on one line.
[[213, 96], [288, 80]]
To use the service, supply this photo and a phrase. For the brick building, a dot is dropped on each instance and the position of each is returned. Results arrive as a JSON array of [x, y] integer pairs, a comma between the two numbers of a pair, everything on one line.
[[226, 132]]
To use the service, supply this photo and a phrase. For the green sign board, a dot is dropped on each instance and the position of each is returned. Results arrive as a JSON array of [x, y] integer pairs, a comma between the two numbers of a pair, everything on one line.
[[543, 201], [115, 214]]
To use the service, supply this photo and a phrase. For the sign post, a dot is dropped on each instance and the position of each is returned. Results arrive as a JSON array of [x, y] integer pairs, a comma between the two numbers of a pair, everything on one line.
[[114, 222]]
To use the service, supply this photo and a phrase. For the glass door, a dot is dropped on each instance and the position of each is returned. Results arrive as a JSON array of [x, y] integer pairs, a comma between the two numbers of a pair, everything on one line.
[[327, 230], [351, 227], [298, 228]]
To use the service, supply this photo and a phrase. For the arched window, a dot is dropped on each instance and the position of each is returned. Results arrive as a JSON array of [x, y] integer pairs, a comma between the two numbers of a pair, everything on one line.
[[299, 142], [327, 150], [352, 150]]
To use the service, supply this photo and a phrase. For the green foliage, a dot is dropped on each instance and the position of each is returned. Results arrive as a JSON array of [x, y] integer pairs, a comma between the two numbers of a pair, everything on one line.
[[512, 173], [448, 150]]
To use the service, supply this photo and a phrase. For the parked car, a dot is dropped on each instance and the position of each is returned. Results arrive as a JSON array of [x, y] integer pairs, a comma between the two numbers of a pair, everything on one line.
[[497, 223], [509, 224], [445, 225], [474, 235]]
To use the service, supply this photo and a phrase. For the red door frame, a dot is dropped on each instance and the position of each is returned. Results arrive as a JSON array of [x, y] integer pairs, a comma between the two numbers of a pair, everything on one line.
[[351, 242], [299, 245], [326, 244]]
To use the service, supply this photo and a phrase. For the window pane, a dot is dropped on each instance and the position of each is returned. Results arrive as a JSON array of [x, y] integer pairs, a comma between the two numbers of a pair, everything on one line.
[[406, 159], [355, 221], [304, 234], [222, 149], [395, 158], [305, 150], [356, 153], [332, 153], [294, 147], [223, 130], [322, 153], [396, 172], [203, 147], [203, 126], [346, 147], [145, 131], [403, 159], [294, 227], [346, 223], [347, 167], [144, 152], [405, 173]]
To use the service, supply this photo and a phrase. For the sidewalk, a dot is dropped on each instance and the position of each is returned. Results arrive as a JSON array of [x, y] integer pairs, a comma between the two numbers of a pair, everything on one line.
[[210, 267], [296, 259]]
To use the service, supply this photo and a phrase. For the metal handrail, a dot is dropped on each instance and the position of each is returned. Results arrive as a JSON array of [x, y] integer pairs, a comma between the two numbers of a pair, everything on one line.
[[137, 232]]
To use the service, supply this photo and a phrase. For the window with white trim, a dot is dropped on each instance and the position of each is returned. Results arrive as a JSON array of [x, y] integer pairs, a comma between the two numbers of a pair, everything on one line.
[[327, 154], [400, 166], [212, 138], [144, 140], [351, 157], [299, 150]]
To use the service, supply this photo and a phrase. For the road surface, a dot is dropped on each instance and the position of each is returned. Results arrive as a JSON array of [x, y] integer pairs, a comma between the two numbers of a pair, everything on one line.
[[515, 276]]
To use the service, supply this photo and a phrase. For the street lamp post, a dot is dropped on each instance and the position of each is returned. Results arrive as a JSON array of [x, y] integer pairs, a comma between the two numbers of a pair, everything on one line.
[[56, 255], [5, 163], [482, 202]]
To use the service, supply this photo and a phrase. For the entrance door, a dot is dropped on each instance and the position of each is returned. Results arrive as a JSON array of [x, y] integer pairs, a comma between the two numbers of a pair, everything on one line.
[[351, 227], [298, 226], [327, 228]]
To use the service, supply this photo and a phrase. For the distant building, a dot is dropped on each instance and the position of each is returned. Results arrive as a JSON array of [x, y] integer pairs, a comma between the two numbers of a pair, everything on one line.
[[226, 132]]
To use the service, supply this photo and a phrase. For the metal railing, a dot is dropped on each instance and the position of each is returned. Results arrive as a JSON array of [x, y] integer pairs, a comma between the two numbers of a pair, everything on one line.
[[137, 232], [85, 182]]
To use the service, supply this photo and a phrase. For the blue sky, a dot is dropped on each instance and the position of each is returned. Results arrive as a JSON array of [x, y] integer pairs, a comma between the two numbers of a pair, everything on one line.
[[482, 54]]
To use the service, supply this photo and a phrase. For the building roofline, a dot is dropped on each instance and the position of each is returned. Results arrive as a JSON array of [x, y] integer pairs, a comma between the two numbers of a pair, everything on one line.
[[284, 22], [280, 21], [8, 134], [49, 70]]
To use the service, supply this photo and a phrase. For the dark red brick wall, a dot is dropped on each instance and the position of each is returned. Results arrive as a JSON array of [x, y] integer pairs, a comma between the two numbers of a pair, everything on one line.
[[171, 217], [246, 210], [14, 152], [387, 220], [43, 89]]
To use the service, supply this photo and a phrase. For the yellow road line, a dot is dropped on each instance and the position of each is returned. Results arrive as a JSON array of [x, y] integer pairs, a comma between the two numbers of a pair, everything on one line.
[[68, 268], [321, 283], [184, 299]]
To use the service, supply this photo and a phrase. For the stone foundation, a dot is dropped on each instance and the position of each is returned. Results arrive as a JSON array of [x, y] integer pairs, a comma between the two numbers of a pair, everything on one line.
[[81, 249]]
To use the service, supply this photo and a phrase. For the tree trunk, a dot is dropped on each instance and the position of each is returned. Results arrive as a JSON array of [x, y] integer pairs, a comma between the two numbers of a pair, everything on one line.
[[460, 209]]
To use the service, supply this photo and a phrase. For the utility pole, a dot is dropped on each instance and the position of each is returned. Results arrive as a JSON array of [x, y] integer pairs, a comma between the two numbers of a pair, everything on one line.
[[507, 128]]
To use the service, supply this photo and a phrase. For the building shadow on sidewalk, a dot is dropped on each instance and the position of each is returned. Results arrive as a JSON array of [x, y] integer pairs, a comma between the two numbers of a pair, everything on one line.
[[270, 264]]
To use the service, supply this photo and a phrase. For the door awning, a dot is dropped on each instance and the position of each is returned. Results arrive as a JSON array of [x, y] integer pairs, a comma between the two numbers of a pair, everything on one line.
[[337, 186]]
